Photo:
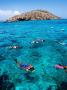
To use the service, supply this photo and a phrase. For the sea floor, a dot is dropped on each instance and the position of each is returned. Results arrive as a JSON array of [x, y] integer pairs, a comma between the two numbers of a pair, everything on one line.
[[42, 55]]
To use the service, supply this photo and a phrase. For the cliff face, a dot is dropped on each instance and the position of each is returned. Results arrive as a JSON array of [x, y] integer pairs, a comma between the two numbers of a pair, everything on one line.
[[34, 15]]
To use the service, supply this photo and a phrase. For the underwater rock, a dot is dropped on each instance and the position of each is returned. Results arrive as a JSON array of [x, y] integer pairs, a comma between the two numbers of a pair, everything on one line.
[[40, 87], [2, 58], [49, 88], [5, 84], [35, 55], [4, 77], [63, 86], [19, 80], [31, 78]]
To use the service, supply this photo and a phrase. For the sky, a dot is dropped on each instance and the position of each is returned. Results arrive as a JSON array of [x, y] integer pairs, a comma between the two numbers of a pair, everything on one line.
[[9, 8]]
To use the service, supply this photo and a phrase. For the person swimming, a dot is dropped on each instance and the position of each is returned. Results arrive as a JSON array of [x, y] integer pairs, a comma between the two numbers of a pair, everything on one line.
[[24, 66], [59, 66], [37, 41], [15, 47]]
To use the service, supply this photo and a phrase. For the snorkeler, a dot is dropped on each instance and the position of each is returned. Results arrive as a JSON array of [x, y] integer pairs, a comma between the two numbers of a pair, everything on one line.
[[59, 66], [15, 47], [24, 66], [37, 41]]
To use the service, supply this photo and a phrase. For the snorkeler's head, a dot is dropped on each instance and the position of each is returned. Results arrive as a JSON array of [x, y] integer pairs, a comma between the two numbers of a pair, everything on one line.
[[31, 69]]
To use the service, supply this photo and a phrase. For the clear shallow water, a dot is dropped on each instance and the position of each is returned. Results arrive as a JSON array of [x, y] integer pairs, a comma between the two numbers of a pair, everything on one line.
[[43, 58]]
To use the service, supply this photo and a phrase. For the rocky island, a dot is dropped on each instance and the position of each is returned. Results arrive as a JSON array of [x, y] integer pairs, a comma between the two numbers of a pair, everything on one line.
[[34, 15]]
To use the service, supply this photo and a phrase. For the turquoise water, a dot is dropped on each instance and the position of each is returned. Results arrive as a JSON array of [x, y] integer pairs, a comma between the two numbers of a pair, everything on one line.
[[43, 57]]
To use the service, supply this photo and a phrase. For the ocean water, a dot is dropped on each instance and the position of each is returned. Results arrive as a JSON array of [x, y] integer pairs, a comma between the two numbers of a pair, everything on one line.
[[43, 56]]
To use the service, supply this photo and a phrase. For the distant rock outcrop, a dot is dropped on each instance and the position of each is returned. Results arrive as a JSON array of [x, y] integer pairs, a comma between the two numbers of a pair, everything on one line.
[[34, 15]]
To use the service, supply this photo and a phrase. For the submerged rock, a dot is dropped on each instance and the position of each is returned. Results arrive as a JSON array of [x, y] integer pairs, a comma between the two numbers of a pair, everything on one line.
[[63, 86], [49, 88], [5, 84], [35, 54], [30, 78], [2, 58]]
